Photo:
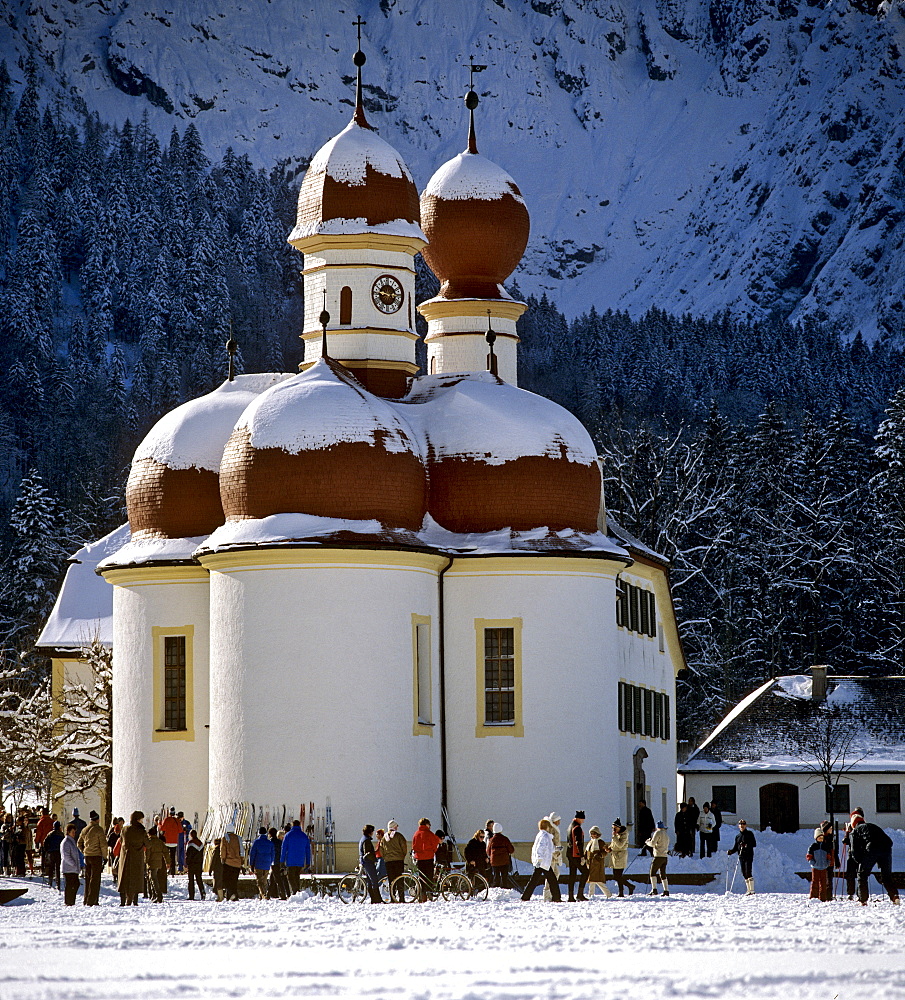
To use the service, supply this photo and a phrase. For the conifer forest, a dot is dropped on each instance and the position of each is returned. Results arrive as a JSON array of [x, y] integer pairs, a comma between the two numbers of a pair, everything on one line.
[[766, 461]]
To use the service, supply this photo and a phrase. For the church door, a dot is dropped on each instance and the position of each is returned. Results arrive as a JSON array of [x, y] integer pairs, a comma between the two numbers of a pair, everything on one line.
[[779, 807]]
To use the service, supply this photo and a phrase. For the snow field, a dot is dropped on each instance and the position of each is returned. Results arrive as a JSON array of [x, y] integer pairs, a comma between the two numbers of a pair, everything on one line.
[[699, 942]]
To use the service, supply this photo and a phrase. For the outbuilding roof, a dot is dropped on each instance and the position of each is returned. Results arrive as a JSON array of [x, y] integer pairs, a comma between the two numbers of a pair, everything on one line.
[[762, 732]]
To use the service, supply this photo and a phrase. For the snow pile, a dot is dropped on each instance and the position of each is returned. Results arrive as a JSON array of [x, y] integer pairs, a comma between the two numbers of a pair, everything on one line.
[[320, 408], [142, 551], [346, 157], [470, 175], [479, 416], [285, 527], [194, 434]]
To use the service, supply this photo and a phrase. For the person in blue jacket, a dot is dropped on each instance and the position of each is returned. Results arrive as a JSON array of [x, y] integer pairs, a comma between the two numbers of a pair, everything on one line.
[[296, 854], [260, 860]]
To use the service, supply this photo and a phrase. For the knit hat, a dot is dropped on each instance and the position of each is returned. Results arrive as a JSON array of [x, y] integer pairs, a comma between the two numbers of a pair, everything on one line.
[[617, 821], [856, 819], [172, 810], [497, 828], [392, 825], [579, 814], [263, 830], [594, 831], [554, 818], [661, 825], [75, 811]]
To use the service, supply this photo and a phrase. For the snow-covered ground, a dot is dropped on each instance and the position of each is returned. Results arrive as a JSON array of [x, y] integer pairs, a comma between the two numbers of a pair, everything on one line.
[[698, 943]]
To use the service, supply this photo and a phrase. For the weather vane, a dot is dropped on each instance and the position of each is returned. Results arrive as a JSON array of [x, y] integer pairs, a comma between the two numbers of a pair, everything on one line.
[[471, 102]]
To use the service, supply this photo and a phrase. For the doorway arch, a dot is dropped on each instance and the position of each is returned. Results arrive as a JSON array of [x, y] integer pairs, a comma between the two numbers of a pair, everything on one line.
[[779, 807]]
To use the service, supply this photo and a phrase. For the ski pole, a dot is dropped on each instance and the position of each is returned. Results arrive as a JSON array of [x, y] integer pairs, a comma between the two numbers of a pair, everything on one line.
[[732, 883]]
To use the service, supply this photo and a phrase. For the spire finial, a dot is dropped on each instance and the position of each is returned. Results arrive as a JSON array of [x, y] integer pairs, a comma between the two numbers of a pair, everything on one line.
[[471, 102], [231, 348], [359, 59], [324, 320], [490, 337]]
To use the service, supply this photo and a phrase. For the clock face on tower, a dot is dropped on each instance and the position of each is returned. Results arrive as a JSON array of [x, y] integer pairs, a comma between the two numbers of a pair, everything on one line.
[[387, 294]]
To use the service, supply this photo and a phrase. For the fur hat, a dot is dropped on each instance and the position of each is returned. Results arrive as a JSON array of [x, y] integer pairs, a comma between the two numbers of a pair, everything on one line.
[[579, 814], [392, 825], [555, 818], [497, 827], [594, 831]]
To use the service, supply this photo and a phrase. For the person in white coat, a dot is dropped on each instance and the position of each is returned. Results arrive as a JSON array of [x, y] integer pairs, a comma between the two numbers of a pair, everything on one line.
[[542, 859], [554, 819], [70, 864], [706, 826], [659, 844]]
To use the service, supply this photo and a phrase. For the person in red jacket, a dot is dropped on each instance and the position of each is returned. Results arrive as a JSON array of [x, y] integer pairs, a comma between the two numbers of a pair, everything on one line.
[[499, 851], [171, 827], [424, 846]]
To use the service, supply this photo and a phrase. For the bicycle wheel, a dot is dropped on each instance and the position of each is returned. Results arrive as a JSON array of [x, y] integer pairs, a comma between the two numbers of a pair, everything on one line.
[[455, 885], [352, 889], [407, 888], [480, 887]]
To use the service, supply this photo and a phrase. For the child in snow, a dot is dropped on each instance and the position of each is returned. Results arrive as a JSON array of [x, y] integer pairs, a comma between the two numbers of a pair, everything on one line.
[[595, 859], [820, 859]]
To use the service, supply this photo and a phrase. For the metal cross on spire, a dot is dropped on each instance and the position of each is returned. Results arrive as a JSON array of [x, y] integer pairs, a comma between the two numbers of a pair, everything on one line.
[[471, 102], [359, 59]]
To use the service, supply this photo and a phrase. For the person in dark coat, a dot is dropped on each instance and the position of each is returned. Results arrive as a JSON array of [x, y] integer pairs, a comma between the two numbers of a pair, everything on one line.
[[717, 824], [260, 860], [684, 845], [279, 886], [645, 827], [194, 862], [78, 823], [296, 854], [575, 857], [133, 841], [368, 859], [744, 845], [52, 848], [476, 855], [499, 853], [851, 865], [870, 845], [694, 812]]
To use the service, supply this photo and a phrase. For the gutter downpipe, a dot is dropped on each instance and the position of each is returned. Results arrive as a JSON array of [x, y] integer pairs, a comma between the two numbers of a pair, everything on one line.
[[441, 647]]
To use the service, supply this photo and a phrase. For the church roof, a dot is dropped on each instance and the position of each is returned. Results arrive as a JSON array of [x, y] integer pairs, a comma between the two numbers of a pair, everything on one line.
[[357, 183], [758, 734], [84, 605]]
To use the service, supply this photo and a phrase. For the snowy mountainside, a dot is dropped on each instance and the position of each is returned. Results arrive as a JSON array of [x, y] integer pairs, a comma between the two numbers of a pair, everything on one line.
[[689, 154]]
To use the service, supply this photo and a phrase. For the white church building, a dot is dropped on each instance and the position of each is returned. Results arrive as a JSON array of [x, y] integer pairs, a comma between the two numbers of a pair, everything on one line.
[[395, 592]]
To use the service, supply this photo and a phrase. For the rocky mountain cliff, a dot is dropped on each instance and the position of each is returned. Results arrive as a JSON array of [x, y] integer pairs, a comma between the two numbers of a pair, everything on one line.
[[694, 155]]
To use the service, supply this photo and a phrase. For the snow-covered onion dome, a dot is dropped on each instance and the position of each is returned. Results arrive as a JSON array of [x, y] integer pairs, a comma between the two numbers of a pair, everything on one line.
[[173, 489], [476, 224], [356, 183], [502, 457], [320, 444]]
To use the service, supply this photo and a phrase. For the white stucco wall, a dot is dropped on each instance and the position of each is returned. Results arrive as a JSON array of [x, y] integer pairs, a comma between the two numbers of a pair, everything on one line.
[[571, 755], [312, 684], [148, 770], [468, 353], [811, 794]]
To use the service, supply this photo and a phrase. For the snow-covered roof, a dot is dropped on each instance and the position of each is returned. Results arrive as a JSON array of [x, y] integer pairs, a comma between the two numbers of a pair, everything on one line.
[[321, 407], [84, 605], [142, 551], [347, 155], [758, 733], [353, 227], [306, 529], [194, 434], [471, 176], [633, 544], [477, 415]]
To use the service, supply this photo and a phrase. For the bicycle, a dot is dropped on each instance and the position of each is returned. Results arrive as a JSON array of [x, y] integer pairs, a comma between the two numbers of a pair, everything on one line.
[[353, 888], [413, 886]]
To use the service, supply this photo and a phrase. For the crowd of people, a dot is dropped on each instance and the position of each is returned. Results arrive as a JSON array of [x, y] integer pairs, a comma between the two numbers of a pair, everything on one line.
[[142, 857]]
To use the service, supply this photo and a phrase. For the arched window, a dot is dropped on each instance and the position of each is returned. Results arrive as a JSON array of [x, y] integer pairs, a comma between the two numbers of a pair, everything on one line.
[[345, 306], [434, 364]]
